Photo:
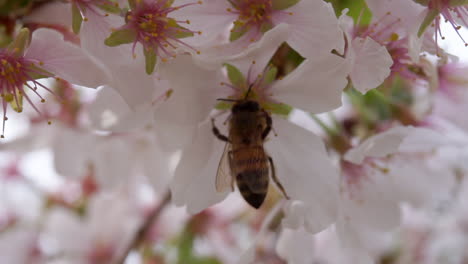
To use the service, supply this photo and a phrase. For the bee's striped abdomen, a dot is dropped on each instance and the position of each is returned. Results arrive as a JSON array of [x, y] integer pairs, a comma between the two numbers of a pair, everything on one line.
[[252, 172]]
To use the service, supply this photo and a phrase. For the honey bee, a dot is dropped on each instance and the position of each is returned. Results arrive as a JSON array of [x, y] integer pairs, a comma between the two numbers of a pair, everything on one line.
[[244, 160]]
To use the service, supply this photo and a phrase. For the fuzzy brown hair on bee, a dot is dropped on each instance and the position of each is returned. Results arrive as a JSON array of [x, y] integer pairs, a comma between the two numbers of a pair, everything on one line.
[[244, 160]]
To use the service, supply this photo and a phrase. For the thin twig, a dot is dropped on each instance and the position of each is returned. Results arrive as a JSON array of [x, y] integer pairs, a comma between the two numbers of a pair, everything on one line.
[[144, 228]]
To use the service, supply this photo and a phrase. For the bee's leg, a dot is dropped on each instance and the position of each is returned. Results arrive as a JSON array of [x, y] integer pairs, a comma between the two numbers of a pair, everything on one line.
[[273, 176], [269, 124], [217, 133]]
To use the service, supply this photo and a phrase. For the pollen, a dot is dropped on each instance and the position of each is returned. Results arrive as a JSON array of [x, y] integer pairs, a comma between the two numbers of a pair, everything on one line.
[[251, 14], [15, 78], [155, 29]]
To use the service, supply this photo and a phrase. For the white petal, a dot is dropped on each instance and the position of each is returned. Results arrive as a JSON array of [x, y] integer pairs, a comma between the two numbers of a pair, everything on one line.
[[242, 52], [394, 140], [296, 246], [371, 64], [314, 28], [72, 149], [93, 33], [260, 51], [109, 111], [315, 86], [134, 85], [373, 204], [193, 97], [62, 224], [194, 180], [210, 17], [306, 172], [66, 60]]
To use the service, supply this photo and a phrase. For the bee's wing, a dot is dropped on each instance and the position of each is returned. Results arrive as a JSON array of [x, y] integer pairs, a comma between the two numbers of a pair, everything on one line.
[[224, 177]]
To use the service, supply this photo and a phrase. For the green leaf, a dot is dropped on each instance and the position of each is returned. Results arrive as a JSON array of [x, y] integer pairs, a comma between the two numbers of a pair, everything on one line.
[[358, 10], [422, 2], [39, 73], [458, 2], [278, 108], [283, 4], [223, 105], [16, 105], [270, 75], [132, 4], [427, 21], [150, 60], [77, 19], [119, 37], [185, 249], [237, 31], [19, 44], [235, 76], [378, 104], [112, 8], [182, 33]]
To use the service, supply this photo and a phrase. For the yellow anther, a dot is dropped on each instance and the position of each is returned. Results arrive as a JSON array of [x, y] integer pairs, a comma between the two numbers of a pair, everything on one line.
[[200, 2], [42, 100], [85, 19], [198, 52], [41, 63]]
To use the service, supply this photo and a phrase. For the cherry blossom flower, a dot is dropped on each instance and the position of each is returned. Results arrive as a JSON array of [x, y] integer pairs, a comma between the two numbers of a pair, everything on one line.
[[370, 60], [452, 93], [80, 9], [22, 65], [249, 20], [97, 237], [385, 170], [454, 12], [293, 159], [149, 23]]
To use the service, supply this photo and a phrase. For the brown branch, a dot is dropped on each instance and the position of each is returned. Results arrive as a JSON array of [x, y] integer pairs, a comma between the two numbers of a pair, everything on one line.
[[144, 228]]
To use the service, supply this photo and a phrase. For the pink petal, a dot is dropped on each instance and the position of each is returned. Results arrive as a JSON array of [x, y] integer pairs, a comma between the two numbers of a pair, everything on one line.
[[371, 64], [65, 60], [315, 86], [314, 28]]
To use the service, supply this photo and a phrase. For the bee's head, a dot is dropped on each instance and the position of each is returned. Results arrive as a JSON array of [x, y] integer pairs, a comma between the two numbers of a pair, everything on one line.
[[246, 106]]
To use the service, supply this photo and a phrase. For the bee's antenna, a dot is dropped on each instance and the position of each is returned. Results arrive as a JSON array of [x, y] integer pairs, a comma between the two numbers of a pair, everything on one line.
[[248, 91]]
